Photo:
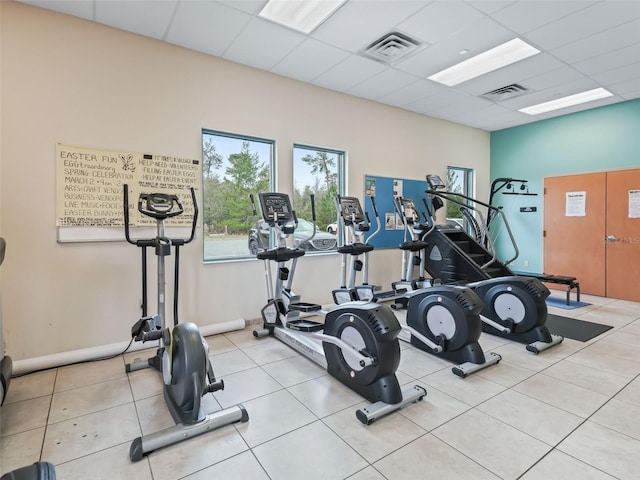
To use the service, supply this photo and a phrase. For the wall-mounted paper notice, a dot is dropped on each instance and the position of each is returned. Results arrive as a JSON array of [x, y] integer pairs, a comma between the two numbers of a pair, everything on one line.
[[576, 204], [634, 203]]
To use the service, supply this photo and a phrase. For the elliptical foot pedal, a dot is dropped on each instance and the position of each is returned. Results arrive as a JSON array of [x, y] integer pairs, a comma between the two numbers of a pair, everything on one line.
[[305, 307], [306, 326]]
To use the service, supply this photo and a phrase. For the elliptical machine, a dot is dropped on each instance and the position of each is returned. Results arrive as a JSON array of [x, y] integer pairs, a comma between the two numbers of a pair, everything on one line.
[[514, 307], [358, 341], [182, 354], [442, 320]]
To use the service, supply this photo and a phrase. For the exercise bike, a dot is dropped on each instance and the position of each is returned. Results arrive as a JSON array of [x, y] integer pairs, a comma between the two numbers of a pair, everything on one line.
[[442, 320], [182, 354], [357, 342]]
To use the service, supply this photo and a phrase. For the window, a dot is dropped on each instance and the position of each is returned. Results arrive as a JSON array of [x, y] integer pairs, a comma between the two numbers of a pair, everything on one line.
[[459, 180], [233, 167], [318, 171]]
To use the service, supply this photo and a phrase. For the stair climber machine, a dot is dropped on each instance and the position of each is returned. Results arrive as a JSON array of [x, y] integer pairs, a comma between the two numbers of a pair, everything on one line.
[[514, 307], [358, 341], [182, 354], [442, 320]]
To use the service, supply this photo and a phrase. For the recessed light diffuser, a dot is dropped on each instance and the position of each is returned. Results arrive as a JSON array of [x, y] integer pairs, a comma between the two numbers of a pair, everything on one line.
[[564, 102], [498, 57], [301, 15]]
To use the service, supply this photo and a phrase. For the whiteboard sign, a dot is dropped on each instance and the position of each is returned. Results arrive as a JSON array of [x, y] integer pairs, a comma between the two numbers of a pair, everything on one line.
[[634, 203]]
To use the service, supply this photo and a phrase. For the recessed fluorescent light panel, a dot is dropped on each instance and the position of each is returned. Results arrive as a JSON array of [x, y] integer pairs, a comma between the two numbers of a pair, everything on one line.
[[564, 102], [510, 52], [302, 15]]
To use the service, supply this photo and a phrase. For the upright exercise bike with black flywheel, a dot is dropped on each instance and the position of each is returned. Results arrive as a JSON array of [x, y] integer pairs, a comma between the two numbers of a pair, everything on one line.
[[182, 354], [358, 341]]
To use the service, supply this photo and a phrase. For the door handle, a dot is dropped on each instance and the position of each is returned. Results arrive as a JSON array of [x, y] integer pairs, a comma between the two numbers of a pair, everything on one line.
[[612, 238]]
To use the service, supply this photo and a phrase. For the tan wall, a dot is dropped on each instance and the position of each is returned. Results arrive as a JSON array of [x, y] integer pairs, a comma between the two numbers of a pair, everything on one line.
[[71, 81]]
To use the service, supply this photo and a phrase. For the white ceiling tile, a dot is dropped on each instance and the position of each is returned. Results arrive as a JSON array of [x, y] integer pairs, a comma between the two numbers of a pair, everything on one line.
[[608, 61], [589, 21], [490, 6], [608, 41], [417, 90], [618, 75], [478, 38], [310, 59], [248, 6], [382, 84], [348, 73], [524, 16], [262, 44], [206, 27], [628, 89], [560, 76], [440, 20], [460, 106], [75, 8], [358, 23], [150, 18]]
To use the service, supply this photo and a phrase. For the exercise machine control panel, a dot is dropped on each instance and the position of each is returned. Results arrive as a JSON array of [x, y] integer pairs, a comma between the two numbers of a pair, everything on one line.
[[351, 210], [276, 208], [435, 182]]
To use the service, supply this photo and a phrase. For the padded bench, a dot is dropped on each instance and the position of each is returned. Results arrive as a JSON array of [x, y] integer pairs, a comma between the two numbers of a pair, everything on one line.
[[569, 281]]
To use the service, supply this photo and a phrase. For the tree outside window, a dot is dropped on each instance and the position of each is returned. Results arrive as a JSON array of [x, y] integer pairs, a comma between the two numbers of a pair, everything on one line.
[[318, 171], [233, 167]]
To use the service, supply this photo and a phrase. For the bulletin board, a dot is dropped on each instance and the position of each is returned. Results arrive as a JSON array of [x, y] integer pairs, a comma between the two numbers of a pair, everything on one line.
[[89, 191], [384, 190]]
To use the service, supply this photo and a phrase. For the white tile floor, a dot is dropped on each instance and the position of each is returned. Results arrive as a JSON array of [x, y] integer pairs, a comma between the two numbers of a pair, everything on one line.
[[571, 412]]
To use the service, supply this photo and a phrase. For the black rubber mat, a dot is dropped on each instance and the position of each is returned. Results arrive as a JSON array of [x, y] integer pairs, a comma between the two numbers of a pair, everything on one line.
[[573, 328]]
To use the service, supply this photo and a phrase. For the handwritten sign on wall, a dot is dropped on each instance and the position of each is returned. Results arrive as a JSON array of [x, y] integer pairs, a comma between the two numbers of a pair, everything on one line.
[[90, 185]]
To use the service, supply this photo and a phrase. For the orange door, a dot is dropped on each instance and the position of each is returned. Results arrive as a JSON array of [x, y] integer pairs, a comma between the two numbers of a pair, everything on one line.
[[623, 235], [574, 245]]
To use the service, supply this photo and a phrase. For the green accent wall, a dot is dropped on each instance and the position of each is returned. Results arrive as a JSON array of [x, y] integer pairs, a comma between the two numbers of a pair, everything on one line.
[[604, 138]]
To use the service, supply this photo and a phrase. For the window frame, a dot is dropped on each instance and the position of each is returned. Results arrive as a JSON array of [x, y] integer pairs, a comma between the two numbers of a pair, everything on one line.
[[272, 171]]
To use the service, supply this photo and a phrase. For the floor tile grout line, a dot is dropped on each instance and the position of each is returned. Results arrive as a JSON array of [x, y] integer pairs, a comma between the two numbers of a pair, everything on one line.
[[555, 447], [46, 423]]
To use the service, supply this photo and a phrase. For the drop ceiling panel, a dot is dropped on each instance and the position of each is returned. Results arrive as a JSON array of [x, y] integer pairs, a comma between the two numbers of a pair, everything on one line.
[[605, 42], [248, 6], [440, 20], [382, 84], [608, 61], [262, 44], [206, 27], [358, 23], [412, 92], [628, 89], [589, 21], [348, 73], [490, 6], [560, 76], [620, 74], [150, 19], [522, 17], [309, 60]]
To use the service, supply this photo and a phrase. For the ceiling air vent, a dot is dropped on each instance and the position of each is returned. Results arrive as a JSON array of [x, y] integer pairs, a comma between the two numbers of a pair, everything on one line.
[[503, 93], [392, 47]]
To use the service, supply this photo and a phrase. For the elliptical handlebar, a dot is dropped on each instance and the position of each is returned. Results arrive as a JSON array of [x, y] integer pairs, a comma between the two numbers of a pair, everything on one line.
[[159, 206]]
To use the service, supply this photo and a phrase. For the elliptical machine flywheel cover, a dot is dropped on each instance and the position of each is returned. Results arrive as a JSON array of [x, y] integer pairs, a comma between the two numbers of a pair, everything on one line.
[[440, 313], [502, 302]]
